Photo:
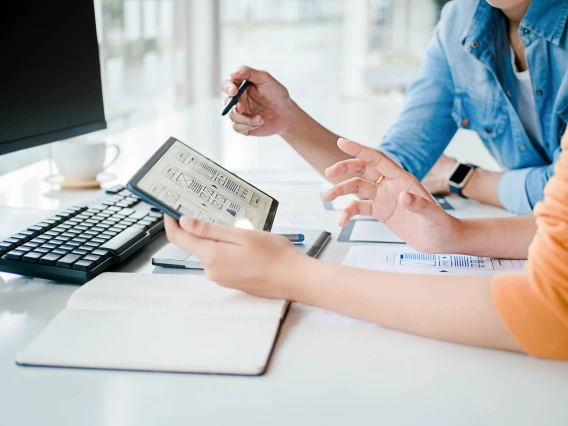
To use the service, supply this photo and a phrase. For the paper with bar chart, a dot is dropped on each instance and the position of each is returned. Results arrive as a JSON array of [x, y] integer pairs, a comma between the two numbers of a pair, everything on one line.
[[410, 261], [195, 186]]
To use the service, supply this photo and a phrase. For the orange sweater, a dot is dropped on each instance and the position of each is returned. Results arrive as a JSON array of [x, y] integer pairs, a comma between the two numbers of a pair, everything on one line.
[[534, 306]]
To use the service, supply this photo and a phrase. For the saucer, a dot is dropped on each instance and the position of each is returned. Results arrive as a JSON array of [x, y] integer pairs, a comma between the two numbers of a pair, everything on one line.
[[80, 184]]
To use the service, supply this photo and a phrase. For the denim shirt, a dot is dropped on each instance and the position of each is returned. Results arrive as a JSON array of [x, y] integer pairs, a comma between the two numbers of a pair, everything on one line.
[[467, 81]]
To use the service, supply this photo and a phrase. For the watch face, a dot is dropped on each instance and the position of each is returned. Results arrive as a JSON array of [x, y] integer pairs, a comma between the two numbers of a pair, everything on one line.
[[460, 173]]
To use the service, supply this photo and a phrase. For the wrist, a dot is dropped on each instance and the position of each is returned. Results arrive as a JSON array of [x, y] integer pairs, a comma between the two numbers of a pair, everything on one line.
[[294, 117]]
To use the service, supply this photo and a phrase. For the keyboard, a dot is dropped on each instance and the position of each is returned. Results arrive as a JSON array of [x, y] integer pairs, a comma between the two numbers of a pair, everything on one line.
[[77, 244]]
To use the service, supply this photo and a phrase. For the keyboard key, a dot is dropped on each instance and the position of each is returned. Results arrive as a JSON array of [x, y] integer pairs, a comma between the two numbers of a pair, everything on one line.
[[12, 240], [50, 259], [115, 229], [113, 219], [92, 244], [36, 228], [74, 231], [140, 226], [73, 222], [25, 249], [84, 265], [97, 240], [14, 255], [94, 258], [123, 204], [80, 252], [67, 247], [52, 233], [30, 234], [159, 215], [21, 238], [51, 222], [42, 249], [110, 233], [104, 237], [107, 202], [97, 229], [65, 226], [74, 243], [81, 227], [32, 257], [105, 214], [101, 253], [59, 251], [121, 226], [122, 241], [87, 248], [137, 215], [7, 246], [68, 261], [49, 246], [44, 225], [114, 209], [33, 244], [80, 240], [115, 189], [59, 240]]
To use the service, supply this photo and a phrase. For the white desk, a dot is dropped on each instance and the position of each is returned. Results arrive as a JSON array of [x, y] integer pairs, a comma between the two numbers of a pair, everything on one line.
[[323, 371]]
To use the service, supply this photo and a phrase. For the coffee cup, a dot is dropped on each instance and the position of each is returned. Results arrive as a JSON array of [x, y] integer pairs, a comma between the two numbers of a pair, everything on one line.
[[82, 160]]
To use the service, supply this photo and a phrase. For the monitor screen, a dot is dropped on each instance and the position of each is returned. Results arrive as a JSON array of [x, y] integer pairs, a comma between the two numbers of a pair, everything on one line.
[[50, 82]]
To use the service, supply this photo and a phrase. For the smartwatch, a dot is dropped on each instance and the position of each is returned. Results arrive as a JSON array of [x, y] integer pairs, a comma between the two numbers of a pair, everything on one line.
[[459, 177]]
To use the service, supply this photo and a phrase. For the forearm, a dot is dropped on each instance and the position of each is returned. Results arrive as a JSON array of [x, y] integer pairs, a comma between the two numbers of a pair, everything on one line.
[[314, 142], [502, 237], [455, 309], [482, 186]]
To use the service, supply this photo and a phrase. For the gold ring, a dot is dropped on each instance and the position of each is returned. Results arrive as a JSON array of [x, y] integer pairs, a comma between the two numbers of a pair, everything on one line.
[[380, 179]]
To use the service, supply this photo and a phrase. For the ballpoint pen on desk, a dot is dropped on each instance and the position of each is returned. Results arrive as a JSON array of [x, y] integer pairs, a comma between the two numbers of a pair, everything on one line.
[[294, 238], [236, 98]]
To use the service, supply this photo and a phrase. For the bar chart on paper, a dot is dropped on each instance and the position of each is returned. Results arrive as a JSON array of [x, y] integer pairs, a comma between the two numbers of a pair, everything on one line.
[[409, 261]]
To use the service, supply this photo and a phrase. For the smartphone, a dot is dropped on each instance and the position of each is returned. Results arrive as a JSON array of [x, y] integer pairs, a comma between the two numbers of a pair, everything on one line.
[[180, 181]]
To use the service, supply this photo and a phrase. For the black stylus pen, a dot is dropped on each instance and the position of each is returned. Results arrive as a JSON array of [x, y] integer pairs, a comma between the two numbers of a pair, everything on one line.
[[235, 99]]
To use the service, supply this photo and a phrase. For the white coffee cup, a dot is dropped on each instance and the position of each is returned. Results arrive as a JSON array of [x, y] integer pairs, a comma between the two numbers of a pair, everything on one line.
[[82, 160]]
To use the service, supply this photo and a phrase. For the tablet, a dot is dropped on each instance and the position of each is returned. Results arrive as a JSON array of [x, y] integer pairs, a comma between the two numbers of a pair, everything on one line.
[[182, 182]]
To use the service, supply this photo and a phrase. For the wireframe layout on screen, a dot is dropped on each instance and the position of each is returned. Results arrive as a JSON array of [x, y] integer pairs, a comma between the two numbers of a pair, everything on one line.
[[194, 186]]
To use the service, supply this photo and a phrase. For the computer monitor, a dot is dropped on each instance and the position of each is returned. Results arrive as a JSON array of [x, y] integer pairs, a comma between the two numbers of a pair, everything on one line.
[[50, 81]]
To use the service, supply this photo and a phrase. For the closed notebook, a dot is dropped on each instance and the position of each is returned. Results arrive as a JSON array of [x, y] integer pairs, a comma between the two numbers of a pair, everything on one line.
[[176, 323]]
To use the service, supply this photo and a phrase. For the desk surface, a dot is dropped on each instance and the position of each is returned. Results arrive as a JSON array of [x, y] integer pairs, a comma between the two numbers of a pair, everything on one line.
[[325, 369]]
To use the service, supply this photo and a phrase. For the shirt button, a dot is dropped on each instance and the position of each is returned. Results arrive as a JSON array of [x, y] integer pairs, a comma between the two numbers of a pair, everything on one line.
[[539, 92], [488, 130], [508, 92], [523, 148], [526, 31], [474, 44], [465, 122]]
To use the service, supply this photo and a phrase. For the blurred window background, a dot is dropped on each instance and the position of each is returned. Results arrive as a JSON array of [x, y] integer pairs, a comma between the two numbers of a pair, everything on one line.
[[161, 56]]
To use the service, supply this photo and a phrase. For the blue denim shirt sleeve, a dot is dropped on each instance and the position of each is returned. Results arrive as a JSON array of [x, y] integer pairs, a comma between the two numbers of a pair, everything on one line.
[[519, 190], [425, 126]]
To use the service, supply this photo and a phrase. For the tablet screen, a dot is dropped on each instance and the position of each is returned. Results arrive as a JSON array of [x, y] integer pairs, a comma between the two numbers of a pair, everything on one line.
[[194, 186]]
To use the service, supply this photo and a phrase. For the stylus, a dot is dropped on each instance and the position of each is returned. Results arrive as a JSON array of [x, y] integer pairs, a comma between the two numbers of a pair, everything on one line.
[[294, 238], [235, 99]]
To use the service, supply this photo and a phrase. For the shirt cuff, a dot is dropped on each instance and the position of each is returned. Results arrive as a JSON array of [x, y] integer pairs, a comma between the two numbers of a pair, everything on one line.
[[512, 193]]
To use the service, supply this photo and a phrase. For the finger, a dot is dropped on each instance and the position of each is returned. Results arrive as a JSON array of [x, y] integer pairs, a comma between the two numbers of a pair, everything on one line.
[[353, 166], [355, 207], [416, 204], [213, 232], [186, 240], [243, 128], [362, 187], [375, 158], [229, 87], [244, 118], [251, 74]]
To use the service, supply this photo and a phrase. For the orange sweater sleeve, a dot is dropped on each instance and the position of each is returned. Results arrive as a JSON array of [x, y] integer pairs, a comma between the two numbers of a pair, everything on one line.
[[534, 306]]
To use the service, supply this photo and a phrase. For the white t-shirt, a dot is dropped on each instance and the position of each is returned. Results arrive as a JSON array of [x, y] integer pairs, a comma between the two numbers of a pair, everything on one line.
[[526, 105]]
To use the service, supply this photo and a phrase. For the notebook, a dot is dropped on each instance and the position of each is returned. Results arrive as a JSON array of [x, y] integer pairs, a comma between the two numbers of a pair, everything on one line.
[[175, 323]]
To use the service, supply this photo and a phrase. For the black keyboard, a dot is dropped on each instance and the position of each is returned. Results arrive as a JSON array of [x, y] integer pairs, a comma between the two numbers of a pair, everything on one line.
[[77, 244]]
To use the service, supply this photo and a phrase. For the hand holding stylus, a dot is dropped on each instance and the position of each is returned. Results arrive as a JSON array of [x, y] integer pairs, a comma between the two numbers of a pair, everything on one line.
[[263, 108]]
